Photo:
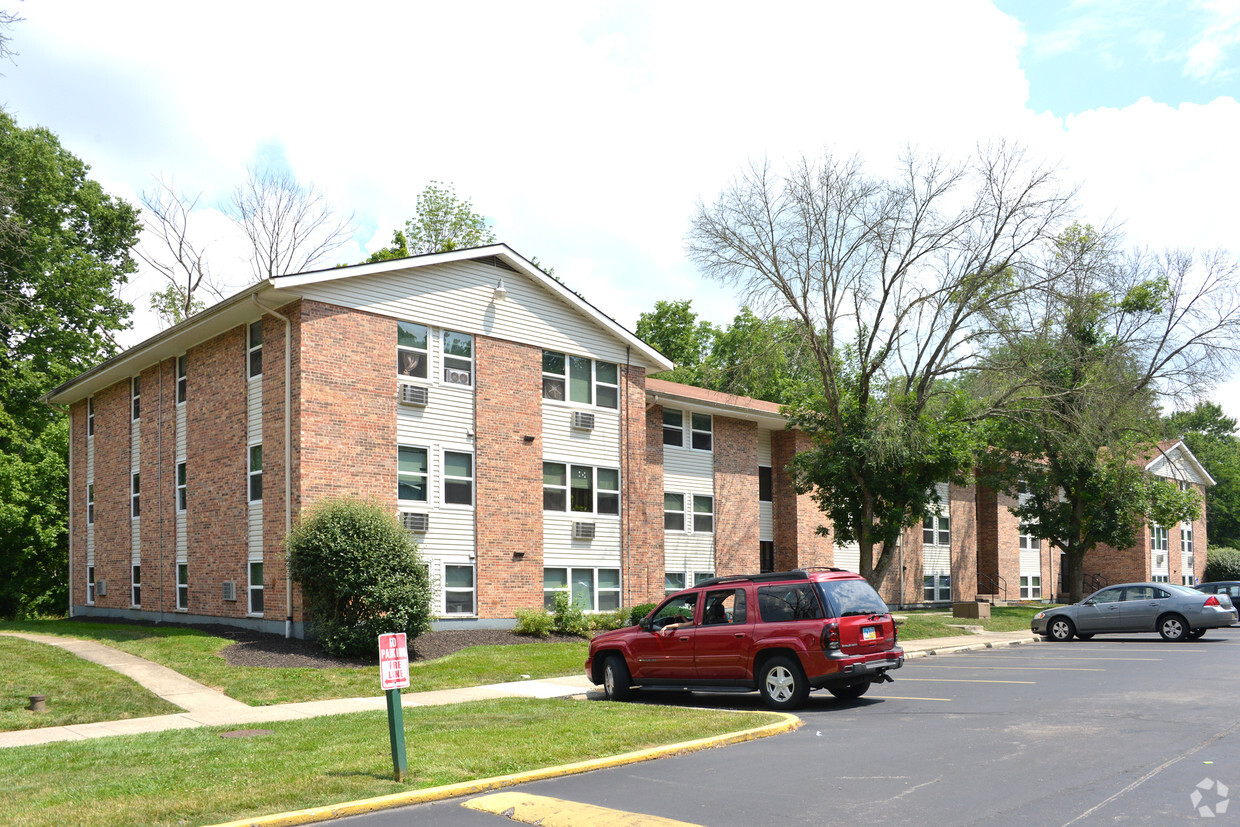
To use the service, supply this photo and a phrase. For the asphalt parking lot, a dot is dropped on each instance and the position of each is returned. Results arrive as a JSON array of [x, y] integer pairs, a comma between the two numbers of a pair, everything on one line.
[[1116, 729]]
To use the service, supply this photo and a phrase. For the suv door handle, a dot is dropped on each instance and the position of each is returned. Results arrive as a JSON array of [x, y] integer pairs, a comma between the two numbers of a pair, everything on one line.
[[739, 634]]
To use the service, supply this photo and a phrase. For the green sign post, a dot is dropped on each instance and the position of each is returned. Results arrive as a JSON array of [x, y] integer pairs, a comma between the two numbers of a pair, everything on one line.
[[394, 676]]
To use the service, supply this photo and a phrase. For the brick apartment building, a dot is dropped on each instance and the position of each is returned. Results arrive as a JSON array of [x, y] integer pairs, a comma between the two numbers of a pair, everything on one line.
[[511, 425]]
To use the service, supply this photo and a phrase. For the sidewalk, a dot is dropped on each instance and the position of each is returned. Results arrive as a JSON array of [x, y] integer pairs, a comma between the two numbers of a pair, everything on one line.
[[209, 707]]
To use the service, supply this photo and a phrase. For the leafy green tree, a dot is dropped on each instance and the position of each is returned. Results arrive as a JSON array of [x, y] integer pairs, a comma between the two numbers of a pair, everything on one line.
[[675, 330], [1222, 563], [360, 575], [442, 222], [1210, 435], [64, 250], [761, 358]]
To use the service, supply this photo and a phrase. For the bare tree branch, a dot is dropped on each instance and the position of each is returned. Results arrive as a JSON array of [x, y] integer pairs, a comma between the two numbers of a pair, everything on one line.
[[176, 257]]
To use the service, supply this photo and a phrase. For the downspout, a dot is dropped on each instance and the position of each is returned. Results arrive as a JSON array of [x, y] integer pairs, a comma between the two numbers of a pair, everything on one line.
[[625, 525], [71, 512], [288, 457], [159, 464]]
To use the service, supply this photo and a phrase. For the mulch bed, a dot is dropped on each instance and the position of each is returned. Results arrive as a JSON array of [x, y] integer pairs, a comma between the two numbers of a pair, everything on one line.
[[253, 648]]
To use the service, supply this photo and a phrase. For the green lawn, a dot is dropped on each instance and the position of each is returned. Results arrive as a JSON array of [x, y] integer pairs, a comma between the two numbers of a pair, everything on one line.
[[929, 623], [78, 691], [196, 777], [195, 654]]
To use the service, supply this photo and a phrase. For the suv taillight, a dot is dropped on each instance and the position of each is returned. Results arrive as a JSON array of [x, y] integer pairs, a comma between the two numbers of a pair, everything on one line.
[[1212, 600], [831, 636]]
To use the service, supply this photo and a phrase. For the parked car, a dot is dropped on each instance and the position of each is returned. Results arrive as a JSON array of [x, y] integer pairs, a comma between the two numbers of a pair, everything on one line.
[[1175, 612], [1231, 588], [780, 634]]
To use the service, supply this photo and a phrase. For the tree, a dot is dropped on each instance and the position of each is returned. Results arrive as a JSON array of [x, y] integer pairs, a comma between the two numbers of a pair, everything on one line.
[[442, 222], [290, 225], [1100, 342], [360, 575], [892, 282], [674, 330], [761, 358], [175, 256], [1210, 435], [64, 251]]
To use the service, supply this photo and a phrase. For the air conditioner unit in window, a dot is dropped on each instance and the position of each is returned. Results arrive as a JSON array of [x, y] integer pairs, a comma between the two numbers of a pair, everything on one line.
[[583, 420], [101, 587], [414, 395], [418, 523], [1160, 559], [459, 377], [230, 590], [583, 531]]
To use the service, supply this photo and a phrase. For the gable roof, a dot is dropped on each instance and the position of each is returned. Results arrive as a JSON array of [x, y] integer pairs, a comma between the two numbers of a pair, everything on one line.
[[738, 407], [280, 290], [1173, 459]]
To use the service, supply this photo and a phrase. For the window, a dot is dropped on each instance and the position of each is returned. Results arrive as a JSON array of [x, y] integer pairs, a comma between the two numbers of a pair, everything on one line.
[[764, 483], [788, 602], [1158, 538], [673, 581], [458, 358], [703, 514], [90, 503], [936, 587], [580, 488], [1186, 538], [673, 427], [135, 583], [936, 530], [255, 354], [458, 590], [766, 555], [135, 490], [553, 376], [581, 380], [1161, 578], [256, 587], [411, 474], [411, 353], [606, 385], [1027, 540], [1030, 587], [182, 373], [256, 473], [182, 586], [458, 478], [90, 416], [182, 499], [594, 590], [700, 577], [90, 584], [674, 513], [701, 432], [727, 606], [135, 398]]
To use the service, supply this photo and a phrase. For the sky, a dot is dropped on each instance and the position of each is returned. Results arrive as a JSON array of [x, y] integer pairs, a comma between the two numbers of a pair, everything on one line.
[[586, 132]]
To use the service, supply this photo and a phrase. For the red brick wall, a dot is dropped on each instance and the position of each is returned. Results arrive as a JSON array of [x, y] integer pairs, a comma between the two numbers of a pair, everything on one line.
[[964, 564], [77, 500], [274, 495], [215, 445], [645, 447], [112, 521], [158, 467], [797, 517], [737, 530], [987, 533], [508, 501]]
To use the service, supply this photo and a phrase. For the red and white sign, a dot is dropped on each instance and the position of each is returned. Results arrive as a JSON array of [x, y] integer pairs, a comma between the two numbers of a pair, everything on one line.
[[393, 661]]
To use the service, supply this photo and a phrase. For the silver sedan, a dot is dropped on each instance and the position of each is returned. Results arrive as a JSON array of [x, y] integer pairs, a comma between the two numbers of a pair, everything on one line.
[[1175, 612]]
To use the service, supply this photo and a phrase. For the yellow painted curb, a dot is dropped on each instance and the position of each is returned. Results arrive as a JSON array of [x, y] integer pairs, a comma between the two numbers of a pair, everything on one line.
[[556, 812], [787, 723]]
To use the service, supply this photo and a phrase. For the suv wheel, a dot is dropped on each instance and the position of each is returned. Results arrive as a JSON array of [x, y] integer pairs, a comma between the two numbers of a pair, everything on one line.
[[782, 683], [850, 692], [616, 678]]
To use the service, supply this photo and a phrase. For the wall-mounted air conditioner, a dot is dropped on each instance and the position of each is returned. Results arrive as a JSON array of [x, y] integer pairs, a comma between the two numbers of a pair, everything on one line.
[[583, 420], [583, 531], [457, 377], [418, 523], [101, 587], [414, 395], [229, 590]]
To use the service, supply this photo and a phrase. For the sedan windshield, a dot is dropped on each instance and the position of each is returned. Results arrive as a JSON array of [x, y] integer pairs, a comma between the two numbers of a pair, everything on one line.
[[851, 597]]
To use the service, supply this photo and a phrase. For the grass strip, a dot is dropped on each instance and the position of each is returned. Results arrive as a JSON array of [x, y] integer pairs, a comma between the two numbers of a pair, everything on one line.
[[197, 777], [195, 654], [931, 623], [78, 691]]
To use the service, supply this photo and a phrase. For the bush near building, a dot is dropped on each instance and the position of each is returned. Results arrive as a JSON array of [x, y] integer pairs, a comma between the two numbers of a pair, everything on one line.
[[1222, 563]]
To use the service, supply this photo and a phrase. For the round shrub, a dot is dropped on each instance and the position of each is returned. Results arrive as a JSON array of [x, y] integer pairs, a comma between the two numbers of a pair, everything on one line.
[[360, 576], [638, 612], [534, 622], [568, 617], [1222, 563]]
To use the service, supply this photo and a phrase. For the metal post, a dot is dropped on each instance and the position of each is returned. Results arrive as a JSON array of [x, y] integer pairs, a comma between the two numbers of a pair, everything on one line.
[[396, 732]]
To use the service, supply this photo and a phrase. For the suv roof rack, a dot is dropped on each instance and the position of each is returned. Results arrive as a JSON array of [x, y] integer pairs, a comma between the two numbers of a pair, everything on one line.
[[795, 574]]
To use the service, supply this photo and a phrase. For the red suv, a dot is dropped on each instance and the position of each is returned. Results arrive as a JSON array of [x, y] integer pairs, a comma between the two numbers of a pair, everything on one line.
[[781, 634]]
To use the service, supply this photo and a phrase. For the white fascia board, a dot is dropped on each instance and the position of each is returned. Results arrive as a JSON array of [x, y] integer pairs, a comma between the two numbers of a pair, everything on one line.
[[1183, 450], [513, 258]]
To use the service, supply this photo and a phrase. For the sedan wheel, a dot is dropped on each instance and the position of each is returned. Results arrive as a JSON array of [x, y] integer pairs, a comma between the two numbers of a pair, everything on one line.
[[782, 683], [1173, 627], [1061, 629], [1194, 634]]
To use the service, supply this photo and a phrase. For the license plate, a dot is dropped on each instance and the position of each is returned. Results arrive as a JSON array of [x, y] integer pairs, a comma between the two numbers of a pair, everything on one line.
[[869, 633]]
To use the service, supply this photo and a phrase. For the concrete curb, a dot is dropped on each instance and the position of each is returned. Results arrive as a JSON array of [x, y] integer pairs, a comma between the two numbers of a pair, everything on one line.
[[787, 723], [971, 647]]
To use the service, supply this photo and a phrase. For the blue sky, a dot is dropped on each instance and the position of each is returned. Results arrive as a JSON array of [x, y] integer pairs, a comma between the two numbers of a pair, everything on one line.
[[587, 131]]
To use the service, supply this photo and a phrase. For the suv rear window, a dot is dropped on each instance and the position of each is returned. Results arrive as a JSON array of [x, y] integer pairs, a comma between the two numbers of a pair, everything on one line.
[[851, 597], [788, 602]]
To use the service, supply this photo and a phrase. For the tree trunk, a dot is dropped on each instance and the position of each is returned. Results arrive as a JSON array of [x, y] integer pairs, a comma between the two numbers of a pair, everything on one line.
[[1074, 559]]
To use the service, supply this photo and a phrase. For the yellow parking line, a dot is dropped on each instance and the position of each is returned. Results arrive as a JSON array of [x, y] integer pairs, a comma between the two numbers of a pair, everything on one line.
[[1037, 668], [905, 679], [1056, 657], [556, 812]]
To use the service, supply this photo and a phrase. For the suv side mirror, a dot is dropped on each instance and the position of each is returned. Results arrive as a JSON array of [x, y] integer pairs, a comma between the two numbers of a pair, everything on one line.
[[645, 624]]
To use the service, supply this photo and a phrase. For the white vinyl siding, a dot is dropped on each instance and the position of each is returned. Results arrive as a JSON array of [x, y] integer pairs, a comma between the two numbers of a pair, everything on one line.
[[936, 554], [847, 556], [562, 442], [90, 481], [254, 436], [1176, 466], [766, 512], [1030, 557], [182, 517], [135, 522]]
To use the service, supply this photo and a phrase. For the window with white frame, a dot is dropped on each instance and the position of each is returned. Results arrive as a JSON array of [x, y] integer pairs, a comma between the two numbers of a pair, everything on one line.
[[135, 584], [673, 512], [701, 432], [1186, 538], [580, 488], [700, 577], [135, 398], [458, 590], [90, 503], [581, 380], [458, 358], [606, 385], [412, 356], [1160, 578], [135, 499], [256, 587], [1027, 540], [1030, 586], [766, 555], [936, 588], [90, 584], [182, 378], [703, 514], [593, 589], [673, 427], [936, 530], [90, 416], [182, 488], [1158, 537], [182, 586], [254, 352], [458, 478], [254, 463], [411, 474], [673, 581]]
